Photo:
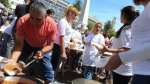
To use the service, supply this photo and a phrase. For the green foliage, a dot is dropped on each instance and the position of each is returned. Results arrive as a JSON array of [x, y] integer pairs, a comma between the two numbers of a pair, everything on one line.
[[111, 33], [5, 2], [78, 4], [108, 28]]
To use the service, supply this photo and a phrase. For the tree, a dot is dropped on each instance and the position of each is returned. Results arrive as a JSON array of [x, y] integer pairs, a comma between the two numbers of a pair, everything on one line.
[[5, 2], [111, 32], [78, 5], [109, 28]]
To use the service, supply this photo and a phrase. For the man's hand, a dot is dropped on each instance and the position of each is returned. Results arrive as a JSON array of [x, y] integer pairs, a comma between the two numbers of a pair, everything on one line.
[[39, 55], [113, 63], [10, 61]]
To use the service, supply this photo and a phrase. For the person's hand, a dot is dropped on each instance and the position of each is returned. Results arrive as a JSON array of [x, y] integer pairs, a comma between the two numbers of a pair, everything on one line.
[[38, 55], [113, 63], [10, 61], [63, 56], [86, 43], [105, 49], [98, 46], [2, 76]]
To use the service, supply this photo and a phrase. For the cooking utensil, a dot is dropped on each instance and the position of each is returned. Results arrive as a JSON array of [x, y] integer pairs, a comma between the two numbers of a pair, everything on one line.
[[14, 68], [17, 80]]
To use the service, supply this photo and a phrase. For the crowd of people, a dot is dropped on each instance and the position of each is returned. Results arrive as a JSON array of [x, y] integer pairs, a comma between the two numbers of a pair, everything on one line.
[[32, 33]]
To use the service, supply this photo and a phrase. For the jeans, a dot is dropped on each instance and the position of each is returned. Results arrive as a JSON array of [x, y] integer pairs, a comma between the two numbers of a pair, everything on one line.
[[88, 72], [7, 45], [41, 68], [141, 79]]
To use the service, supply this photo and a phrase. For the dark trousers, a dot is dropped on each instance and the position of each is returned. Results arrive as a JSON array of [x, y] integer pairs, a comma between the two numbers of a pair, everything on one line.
[[74, 57], [41, 68], [7, 45], [141, 79], [56, 56], [120, 79]]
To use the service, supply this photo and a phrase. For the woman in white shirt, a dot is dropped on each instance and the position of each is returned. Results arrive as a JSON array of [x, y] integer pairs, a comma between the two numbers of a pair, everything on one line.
[[123, 74], [91, 51], [64, 35], [139, 54]]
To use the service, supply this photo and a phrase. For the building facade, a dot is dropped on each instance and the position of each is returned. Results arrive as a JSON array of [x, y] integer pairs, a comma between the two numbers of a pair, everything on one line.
[[59, 6], [91, 22]]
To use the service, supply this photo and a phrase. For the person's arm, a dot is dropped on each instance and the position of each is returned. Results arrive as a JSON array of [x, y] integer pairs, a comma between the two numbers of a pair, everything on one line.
[[49, 43], [101, 43], [125, 38], [17, 50], [98, 46], [111, 51], [116, 50], [141, 52], [47, 48], [52, 37], [19, 40], [113, 63], [44, 50], [62, 27], [63, 51], [125, 45]]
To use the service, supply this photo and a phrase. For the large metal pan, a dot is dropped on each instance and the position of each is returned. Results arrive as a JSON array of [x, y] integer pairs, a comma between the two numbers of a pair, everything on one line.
[[16, 80], [84, 81], [14, 68]]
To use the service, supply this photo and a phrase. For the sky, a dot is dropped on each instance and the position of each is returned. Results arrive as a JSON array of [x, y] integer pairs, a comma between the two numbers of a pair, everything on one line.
[[105, 10]]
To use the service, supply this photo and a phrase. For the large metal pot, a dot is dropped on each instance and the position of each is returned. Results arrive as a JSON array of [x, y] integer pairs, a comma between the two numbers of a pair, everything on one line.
[[12, 68], [84, 81], [16, 80], [15, 68]]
